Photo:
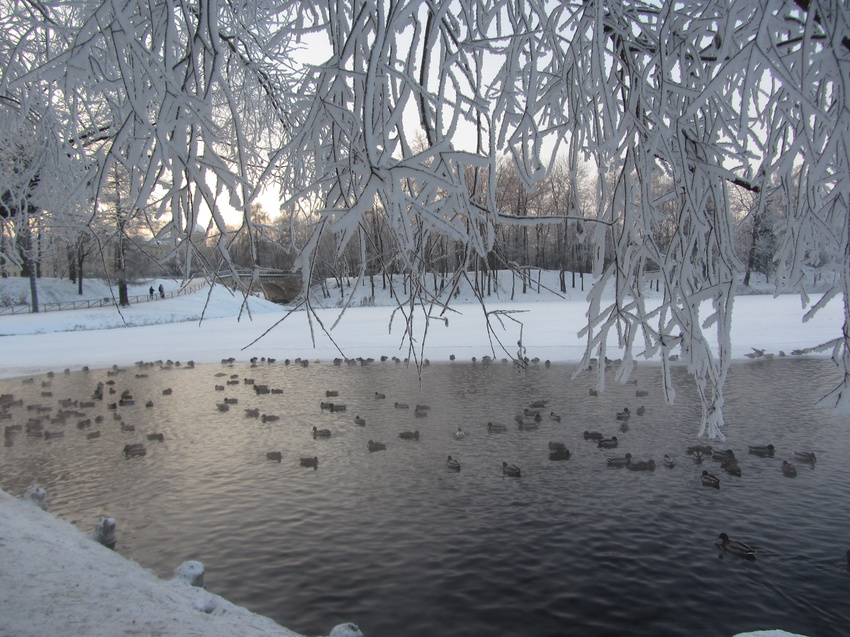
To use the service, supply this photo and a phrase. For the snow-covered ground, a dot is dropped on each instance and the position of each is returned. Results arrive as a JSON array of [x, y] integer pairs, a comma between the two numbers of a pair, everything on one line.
[[173, 329], [54, 579]]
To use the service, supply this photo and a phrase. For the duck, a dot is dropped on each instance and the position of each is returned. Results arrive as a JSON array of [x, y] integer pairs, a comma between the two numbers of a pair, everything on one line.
[[557, 446], [643, 465], [537, 404], [641, 410], [511, 470], [668, 461], [593, 435], [359, 421], [592, 392], [561, 454], [452, 464], [625, 461], [607, 443], [134, 450], [624, 415], [764, 451], [409, 435], [554, 416], [495, 428], [710, 480], [274, 455], [526, 424], [401, 405], [731, 467], [157, 436], [269, 418], [375, 446], [805, 456], [722, 456], [310, 462], [252, 413], [460, 434], [380, 396], [321, 433], [736, 547], [704, 450], [788, 469]]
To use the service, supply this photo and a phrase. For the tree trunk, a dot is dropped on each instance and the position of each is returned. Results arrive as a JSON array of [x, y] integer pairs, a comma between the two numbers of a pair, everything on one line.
[[123, 297], [80, 257], [33, 290]]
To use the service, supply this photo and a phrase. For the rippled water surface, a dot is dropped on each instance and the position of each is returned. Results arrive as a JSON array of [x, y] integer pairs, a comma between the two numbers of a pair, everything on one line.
[[396, 543]]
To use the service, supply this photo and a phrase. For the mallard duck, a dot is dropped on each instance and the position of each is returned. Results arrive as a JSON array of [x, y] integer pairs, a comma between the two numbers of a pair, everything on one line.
[[527, 424], [460, 434], [252, 413], [380, 396], [331, 393], [722, 456], [401, 405], [134, 450], [310, 462], [625, 461], [592, 392], [557, 446], [538, 404], [554, 416], [765, 451], [561, 454], [495, 428], [452, 464], [607, 443], [157, 436], [359, 421], [274, 455], [736, 547], [321, 433], [511, 470], [375, 446], [805, 456], [710, 480], [669, 462], [593, 435], [731, 467], [641, 410], [624, 415], [269, 418], [788, 469], [409, 435], [704, 450]]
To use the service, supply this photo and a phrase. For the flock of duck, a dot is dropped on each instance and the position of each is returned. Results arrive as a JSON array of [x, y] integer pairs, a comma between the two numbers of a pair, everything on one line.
[[43, 421], [48, 418]]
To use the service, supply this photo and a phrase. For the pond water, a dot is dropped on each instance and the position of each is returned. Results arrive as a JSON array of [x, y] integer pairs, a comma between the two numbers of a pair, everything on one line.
[[399, 544]]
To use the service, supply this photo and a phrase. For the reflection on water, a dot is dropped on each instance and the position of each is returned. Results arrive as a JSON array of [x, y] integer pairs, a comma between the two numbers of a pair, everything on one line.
[[397, 543]]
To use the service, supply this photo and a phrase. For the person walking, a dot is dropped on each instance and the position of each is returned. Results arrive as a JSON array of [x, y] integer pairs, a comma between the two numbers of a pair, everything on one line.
[[150, 293], [161, 291]]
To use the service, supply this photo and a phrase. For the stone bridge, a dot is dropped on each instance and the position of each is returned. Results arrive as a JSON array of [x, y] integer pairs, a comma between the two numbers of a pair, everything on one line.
[[279, 287]]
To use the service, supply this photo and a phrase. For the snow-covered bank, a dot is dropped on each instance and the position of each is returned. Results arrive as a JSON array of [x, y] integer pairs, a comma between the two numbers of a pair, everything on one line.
[[55, 579], [170, 329]]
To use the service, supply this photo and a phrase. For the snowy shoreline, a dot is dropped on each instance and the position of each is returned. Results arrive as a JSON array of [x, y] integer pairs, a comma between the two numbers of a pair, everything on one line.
[[173, 329]]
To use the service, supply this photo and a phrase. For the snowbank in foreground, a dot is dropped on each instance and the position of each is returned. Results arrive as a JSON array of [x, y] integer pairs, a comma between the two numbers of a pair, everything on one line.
[[55, 580]]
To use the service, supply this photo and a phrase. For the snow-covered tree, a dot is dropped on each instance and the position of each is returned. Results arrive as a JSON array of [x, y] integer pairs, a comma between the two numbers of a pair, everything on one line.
[[212, 101]]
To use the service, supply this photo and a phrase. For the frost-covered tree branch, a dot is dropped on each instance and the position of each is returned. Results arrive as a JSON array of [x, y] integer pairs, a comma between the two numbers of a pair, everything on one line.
[[407, 108]]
